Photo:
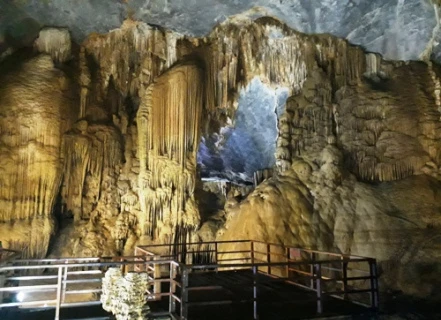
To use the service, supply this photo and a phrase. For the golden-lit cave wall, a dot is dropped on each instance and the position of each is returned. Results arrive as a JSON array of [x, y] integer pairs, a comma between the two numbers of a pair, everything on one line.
[[35, 107], [168, 123], [156, 181], [358, 166], [131, 131], [322, 75], [131, 158]]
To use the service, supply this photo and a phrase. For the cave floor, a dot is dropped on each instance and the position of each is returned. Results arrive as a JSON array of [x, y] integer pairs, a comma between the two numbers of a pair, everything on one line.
[[230, 290]]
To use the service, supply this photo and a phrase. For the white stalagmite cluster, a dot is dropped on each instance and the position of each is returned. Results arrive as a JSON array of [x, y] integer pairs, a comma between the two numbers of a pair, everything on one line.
[[168, 137], [125, 296]]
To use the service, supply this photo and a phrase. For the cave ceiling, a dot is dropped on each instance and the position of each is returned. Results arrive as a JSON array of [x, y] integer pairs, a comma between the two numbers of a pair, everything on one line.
[[398, 29]]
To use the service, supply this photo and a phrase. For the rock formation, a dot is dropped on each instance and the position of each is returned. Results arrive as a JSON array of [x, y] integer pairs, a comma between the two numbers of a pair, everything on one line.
[[34, 111], [145, 135]]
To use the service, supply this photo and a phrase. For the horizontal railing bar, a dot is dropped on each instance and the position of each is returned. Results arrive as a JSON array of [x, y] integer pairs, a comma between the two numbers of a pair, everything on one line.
[[350, 279], [82, 281], [57, 260], [84, 272], [233, 259], [78, 260], [300, 271], [83, 291], [93, 264], [41, 287], [26, 303], [192, 243], [277, 254], [80, 304], [309, 250], [229, 252], [26, 278], [271, 264]]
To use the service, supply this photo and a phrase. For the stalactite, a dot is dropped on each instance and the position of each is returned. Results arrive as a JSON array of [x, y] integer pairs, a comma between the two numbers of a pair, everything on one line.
[[168, 138], [238, 53], [56, 42], [89, 151], [133, 56]]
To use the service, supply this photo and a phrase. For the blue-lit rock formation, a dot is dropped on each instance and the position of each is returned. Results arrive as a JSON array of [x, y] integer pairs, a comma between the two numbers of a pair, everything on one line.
[[248, 144]]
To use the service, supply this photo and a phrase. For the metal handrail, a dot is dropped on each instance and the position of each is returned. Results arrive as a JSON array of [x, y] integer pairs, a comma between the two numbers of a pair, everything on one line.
[[153, 264], [93, 264], [60, 287], [313, 260]]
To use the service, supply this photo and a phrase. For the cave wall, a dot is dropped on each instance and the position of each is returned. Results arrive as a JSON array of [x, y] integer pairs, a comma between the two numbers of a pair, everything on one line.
[[350, 139], [35, 104]]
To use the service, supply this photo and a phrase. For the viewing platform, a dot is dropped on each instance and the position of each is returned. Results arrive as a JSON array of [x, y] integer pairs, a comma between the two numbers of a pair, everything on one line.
[[216, 280]]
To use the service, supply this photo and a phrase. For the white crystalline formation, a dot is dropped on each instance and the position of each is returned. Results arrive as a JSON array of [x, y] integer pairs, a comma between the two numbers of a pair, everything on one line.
[[125, 296]]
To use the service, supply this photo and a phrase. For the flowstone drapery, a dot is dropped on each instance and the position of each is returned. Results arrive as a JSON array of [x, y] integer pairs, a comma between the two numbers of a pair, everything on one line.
[[33, 112], [168, 136]]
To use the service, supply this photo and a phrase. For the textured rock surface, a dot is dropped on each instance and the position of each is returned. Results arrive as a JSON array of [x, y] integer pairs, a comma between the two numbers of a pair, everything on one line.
[[352, 141], [34, 110], [312, 206], [125, 296], [398, 29]]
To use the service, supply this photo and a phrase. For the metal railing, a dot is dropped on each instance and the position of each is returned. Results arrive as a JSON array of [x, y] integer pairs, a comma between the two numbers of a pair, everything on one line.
[[347, 277], [63, 279]]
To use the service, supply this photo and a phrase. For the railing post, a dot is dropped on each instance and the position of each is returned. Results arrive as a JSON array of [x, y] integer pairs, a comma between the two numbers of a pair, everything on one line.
[[59, 288], [172, 302], [255, 314], [252, 251], [215, 255], [288, 260], [318, 280], [157, 284], [268, 257], [184, 293], [63, 296], [312, 269], [345, 277], [374, 284]]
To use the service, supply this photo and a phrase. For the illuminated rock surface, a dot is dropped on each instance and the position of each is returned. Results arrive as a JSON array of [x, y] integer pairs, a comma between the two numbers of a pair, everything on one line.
[[398, 29], [144, 135]]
